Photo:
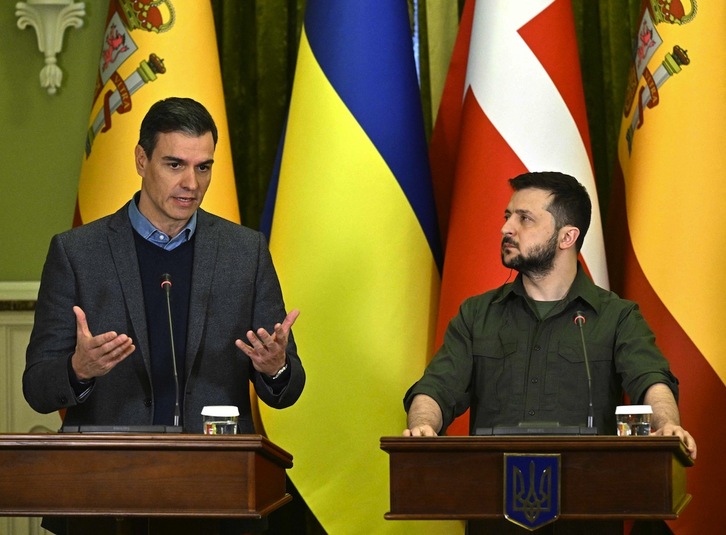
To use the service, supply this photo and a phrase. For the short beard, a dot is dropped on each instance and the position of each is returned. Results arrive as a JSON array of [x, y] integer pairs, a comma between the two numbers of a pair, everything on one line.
[[539, 262]]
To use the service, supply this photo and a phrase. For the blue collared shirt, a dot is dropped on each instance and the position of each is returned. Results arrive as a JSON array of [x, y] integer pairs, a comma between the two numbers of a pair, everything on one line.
[[150, 233]]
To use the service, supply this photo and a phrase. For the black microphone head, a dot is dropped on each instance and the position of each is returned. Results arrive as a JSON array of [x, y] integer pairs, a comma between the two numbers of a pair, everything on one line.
[[166, 280], [579, 318]]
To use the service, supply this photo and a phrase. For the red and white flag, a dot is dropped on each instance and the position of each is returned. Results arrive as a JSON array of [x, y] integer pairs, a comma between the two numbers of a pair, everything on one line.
[[513, 102]]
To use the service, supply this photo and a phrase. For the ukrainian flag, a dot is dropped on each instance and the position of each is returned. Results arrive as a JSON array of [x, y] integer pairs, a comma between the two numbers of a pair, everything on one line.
[[355, 242]]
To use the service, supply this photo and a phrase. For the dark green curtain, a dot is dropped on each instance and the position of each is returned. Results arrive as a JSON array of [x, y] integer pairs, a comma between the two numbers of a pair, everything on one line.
[[605, 31], [258, 42]]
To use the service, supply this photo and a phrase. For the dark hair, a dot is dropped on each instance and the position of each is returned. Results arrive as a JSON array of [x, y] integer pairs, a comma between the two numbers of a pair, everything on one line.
[[570, 203], [175, 114]]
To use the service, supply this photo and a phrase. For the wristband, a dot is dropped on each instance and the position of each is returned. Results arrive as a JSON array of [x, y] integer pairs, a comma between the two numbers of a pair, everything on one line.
[[280, 371]]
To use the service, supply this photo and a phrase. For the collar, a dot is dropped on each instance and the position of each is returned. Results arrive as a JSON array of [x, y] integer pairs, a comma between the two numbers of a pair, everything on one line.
[[582, 290], [149, 232]]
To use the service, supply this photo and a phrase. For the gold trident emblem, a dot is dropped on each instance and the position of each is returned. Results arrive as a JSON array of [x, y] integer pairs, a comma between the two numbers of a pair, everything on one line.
[[534, 498]]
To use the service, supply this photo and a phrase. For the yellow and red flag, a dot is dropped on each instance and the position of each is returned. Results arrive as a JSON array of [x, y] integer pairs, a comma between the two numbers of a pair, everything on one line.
[[513, 102], [151, 51], [666, 234]]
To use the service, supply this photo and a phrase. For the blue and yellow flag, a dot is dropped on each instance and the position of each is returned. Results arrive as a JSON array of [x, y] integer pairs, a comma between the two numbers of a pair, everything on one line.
[[355, 242]]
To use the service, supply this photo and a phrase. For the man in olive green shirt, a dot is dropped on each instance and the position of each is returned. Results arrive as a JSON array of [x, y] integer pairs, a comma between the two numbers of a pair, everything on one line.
[[515, 354]]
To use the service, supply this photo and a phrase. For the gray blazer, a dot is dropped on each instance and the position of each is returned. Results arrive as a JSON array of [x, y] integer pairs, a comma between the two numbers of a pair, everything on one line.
[[235, 289]]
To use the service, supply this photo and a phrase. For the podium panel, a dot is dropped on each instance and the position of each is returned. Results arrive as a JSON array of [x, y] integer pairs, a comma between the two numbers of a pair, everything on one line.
[[602, 478], [233, 476]]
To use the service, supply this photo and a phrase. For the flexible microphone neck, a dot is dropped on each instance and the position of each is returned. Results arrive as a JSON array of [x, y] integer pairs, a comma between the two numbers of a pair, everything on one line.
[[166, 285], [580, 321]]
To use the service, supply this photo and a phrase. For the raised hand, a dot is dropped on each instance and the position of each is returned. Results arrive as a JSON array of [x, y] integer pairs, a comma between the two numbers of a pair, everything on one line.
[[265, 350], [97, 355]]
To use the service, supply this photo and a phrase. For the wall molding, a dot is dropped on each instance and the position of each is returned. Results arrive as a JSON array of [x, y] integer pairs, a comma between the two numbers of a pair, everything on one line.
[[18, 295]]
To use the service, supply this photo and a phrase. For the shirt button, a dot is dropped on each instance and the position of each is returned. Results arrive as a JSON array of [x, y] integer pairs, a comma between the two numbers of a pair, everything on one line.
[[537, 347], [531, 413], [147, 402], [535, 380]]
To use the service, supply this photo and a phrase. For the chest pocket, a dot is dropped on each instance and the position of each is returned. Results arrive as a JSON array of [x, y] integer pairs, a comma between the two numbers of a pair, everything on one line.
[[495, 367], [567, 373]]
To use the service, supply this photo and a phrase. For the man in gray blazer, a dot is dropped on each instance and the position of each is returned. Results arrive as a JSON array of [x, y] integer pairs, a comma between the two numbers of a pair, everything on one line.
[[101, 343]]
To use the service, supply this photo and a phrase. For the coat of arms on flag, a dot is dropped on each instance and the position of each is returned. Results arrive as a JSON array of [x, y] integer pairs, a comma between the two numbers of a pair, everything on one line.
[[118, 47], [647, 43]]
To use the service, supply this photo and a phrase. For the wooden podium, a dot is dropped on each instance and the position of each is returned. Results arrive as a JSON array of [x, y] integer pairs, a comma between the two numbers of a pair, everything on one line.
[[170, 476], [603, 480]]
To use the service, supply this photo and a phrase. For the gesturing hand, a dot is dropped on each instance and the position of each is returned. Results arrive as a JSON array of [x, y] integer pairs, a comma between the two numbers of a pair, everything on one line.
[[265, 350], [97, 355]]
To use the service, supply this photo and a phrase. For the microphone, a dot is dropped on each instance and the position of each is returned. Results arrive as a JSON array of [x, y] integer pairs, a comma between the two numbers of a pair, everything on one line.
[[580, 321], [166, 285]]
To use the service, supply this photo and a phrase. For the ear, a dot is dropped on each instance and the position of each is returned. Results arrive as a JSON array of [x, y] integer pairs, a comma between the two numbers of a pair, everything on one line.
[[140, 159], [568, 236]]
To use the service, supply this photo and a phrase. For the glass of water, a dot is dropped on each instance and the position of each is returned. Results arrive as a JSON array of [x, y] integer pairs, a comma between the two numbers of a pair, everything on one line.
[[220, 419], [633, 420]]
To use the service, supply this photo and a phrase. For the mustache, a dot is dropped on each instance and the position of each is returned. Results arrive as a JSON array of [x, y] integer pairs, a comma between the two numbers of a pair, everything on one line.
[[509, 241]]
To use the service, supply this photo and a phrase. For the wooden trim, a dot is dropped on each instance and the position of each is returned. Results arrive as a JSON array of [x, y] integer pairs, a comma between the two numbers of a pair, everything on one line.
[[18, 295], [231, 476]]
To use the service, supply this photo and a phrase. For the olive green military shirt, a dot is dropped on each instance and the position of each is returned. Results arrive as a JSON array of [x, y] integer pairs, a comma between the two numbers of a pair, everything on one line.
[[509, 366]]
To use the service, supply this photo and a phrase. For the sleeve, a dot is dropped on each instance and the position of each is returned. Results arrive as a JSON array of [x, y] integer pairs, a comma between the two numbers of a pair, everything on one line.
[[637, 358], [46, 384], [269, 309], [447, 378]]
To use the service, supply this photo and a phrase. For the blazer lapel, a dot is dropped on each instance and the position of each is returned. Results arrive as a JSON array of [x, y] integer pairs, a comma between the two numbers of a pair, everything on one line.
[[123, 251], [206, 245]]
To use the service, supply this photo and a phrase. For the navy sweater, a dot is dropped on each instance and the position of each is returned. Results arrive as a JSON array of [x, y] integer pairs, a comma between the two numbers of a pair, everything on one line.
[[153, 263]]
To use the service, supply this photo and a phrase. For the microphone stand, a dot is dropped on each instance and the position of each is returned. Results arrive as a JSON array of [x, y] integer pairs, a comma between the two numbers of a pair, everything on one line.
[[166, 284], [579, 320]]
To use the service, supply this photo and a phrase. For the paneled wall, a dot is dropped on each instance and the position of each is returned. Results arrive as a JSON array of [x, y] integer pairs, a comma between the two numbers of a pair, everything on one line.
[[16, 321]]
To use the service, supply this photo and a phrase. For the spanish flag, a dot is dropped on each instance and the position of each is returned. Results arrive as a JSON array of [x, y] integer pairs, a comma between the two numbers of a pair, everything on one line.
[[355, 243], [151, 51], [513, 102], [666, 236]]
